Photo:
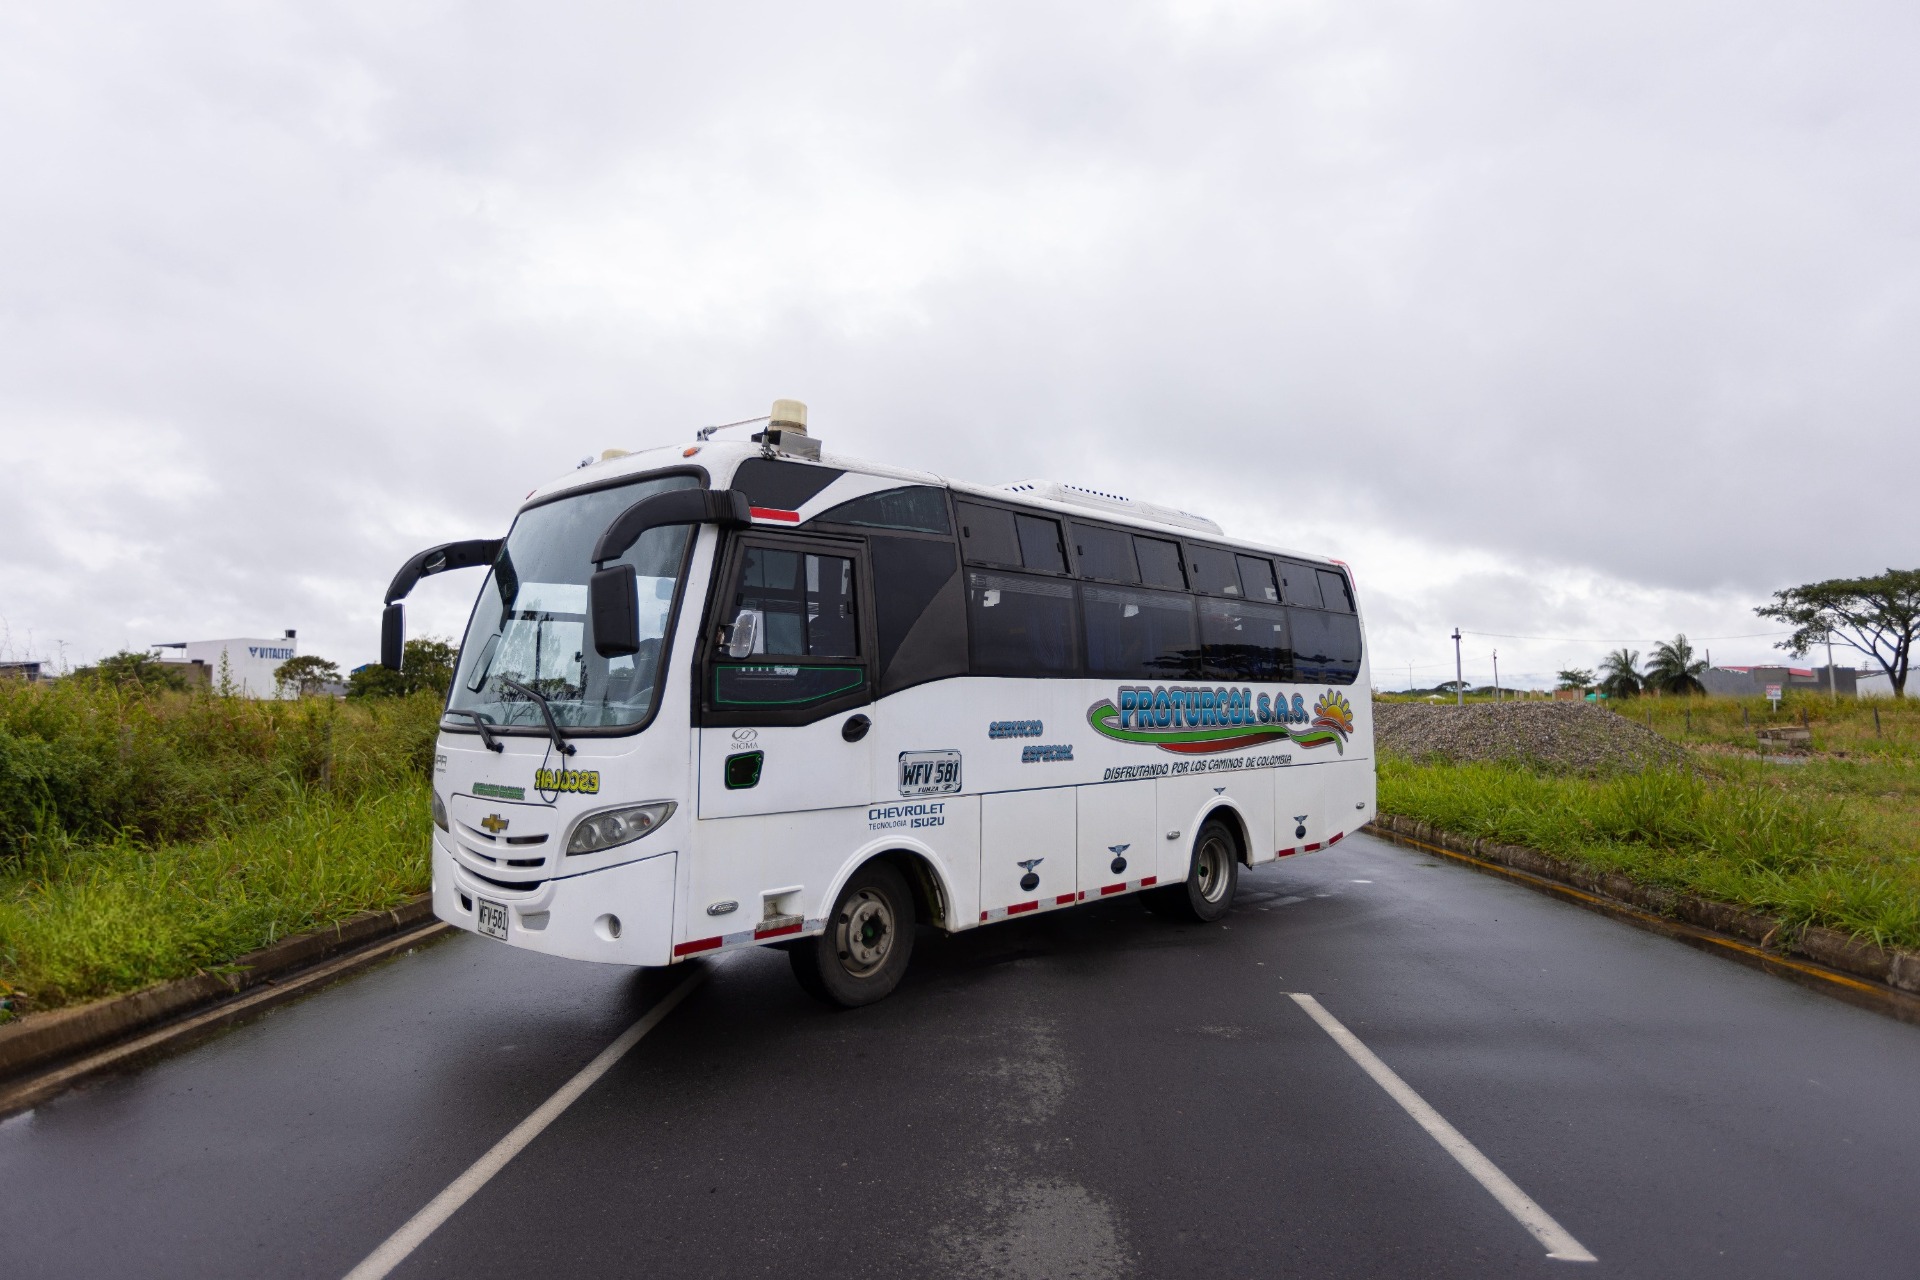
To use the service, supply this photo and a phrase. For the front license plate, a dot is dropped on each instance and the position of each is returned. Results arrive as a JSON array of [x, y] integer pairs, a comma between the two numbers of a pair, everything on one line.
[[493, 919]]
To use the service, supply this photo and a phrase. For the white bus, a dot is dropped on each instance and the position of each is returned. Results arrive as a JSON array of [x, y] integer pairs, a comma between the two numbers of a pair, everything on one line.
[[732, 694]]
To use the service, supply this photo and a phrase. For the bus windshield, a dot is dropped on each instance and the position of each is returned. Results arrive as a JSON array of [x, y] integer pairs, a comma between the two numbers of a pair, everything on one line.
[[530, 625]]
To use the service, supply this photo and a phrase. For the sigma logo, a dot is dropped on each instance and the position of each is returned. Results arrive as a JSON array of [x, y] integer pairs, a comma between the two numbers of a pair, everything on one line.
[[745, 737]]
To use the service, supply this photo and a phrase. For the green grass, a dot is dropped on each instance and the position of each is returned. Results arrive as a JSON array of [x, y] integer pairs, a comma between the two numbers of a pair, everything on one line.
[[152, 835], [125, 915], [1833, 841]]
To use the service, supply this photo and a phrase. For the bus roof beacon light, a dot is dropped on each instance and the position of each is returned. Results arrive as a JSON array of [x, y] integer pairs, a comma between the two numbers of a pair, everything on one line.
[[786, 432], [788, 415]]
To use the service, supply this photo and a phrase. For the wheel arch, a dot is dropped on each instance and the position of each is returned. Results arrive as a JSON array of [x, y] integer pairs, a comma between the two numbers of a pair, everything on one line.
[[1229, 813], [918, 866]]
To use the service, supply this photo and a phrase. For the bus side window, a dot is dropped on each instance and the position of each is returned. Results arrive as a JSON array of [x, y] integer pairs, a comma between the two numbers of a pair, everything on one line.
[[1299, 585], [1334, 592], [1159, 563], [803, 602], [1256, 576], [1105, 553], [1212, 571], [1040, 545], [1326, 646], [1139, 635], [920, 614], [1021, 626], [915, 508], [1243, 641], [987, 535]]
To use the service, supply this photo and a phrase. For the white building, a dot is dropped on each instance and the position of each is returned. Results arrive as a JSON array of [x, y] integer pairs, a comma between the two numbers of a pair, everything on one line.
[[250, 661]]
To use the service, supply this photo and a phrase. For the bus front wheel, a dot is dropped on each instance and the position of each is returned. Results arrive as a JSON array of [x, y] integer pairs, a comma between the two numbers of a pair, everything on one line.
[[863, 953], [1213, 875]]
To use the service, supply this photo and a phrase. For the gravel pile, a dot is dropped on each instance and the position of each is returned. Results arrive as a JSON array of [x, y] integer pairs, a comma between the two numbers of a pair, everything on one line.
[[1564, 735]]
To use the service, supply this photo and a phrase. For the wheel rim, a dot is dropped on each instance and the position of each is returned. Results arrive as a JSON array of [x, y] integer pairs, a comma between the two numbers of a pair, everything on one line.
[[1210, 868], [864, 933]]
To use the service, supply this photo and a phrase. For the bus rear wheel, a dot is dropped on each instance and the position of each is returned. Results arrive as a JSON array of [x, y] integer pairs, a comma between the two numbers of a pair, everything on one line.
[[863, 953], [1213, 875]]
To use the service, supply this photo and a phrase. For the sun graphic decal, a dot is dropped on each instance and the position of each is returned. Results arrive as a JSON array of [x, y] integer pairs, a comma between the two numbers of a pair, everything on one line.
[[1334, 712]]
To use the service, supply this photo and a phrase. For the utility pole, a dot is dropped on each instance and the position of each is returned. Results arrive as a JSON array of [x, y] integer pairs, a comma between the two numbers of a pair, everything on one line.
[[1459, 681], [1496, 675], [1833, 686]]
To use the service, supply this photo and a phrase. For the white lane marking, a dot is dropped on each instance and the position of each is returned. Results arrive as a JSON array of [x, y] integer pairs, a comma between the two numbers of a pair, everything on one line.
[[1536, 1220], [409, 1237]]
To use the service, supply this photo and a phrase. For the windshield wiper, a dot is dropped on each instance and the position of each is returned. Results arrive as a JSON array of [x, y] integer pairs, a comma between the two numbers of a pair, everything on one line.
[[480, 723], [553, 726]]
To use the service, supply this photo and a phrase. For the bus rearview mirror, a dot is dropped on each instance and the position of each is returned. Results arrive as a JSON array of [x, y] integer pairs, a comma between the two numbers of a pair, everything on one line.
[[741, 634], [613, 605], [393, 636]]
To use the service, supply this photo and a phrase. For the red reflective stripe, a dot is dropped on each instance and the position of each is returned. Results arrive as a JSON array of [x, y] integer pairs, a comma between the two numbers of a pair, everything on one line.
[[985, 916], [1018, 907], [775, 933], [1063, 898], [1286, 853], [1310, 848], [1106, 889], [704, 944], [768, 513], [1337, 839], [1083, 895], [1149, 880]]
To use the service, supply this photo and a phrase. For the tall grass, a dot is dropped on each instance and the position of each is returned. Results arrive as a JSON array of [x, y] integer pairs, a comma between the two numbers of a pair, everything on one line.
[[1802, 853], [149, 835], [124, 915], [83, 762]]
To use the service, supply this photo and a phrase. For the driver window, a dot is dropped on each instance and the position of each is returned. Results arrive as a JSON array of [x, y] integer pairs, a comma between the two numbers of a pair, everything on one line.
[[802, 604]]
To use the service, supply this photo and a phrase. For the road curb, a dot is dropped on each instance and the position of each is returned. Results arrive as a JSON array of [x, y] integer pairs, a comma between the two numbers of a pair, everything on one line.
[[1841, 965], [53, 1045]]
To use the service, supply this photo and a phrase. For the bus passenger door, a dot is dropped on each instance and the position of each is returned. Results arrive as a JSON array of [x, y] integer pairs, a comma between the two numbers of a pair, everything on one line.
[[787, 681], [1027, 851]]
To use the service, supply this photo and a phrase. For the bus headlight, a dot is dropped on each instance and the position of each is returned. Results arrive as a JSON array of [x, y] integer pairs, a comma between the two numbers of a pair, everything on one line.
[[439, 812], [604, 830]]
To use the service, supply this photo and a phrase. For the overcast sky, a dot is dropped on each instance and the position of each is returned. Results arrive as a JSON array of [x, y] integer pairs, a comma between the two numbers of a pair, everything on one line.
[[1593, 323]]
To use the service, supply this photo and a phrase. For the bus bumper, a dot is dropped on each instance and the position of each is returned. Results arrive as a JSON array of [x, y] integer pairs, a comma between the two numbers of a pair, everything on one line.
[[618, 915]]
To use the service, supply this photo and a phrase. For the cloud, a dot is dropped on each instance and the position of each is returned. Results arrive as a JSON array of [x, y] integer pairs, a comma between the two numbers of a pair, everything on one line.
[[1551, 323]]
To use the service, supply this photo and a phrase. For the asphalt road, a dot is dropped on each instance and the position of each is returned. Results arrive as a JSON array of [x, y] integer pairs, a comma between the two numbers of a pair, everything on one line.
[[1094, 1093]]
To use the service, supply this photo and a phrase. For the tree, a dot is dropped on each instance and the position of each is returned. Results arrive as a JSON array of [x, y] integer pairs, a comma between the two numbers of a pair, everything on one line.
[[1674, 669], [1620, 673], [1878, 616], [426, 663], [130, 670], [306, 675], [1575, 678]]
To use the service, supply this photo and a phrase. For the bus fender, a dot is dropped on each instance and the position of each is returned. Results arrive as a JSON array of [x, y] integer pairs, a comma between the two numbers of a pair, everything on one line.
[[926, 873], [1224, 808]]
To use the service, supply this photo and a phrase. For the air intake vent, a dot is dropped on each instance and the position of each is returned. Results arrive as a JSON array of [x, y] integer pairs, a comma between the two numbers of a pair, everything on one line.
[[1100, 500]]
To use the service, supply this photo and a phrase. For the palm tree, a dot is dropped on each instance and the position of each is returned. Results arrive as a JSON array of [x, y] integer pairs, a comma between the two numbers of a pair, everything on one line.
[[1620, 673], [1674, 669]]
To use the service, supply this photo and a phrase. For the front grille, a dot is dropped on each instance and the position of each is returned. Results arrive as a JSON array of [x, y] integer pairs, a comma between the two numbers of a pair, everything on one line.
[[520, 885]]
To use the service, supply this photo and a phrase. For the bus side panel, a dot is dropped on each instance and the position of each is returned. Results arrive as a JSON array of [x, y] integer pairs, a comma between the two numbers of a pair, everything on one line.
[[1027, 845], [1300, 808], [1118, 847], [766, 865]]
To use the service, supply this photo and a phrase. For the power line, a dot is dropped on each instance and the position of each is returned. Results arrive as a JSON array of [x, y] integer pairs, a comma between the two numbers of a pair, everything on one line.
[[1501, 635]]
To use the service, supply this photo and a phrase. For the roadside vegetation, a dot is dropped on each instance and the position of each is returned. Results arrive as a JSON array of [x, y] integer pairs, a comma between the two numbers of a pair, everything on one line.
[[1830, 836], [148, 832]]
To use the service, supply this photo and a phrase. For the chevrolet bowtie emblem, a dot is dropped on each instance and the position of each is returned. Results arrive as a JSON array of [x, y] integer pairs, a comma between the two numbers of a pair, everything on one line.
[[494, 823]]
